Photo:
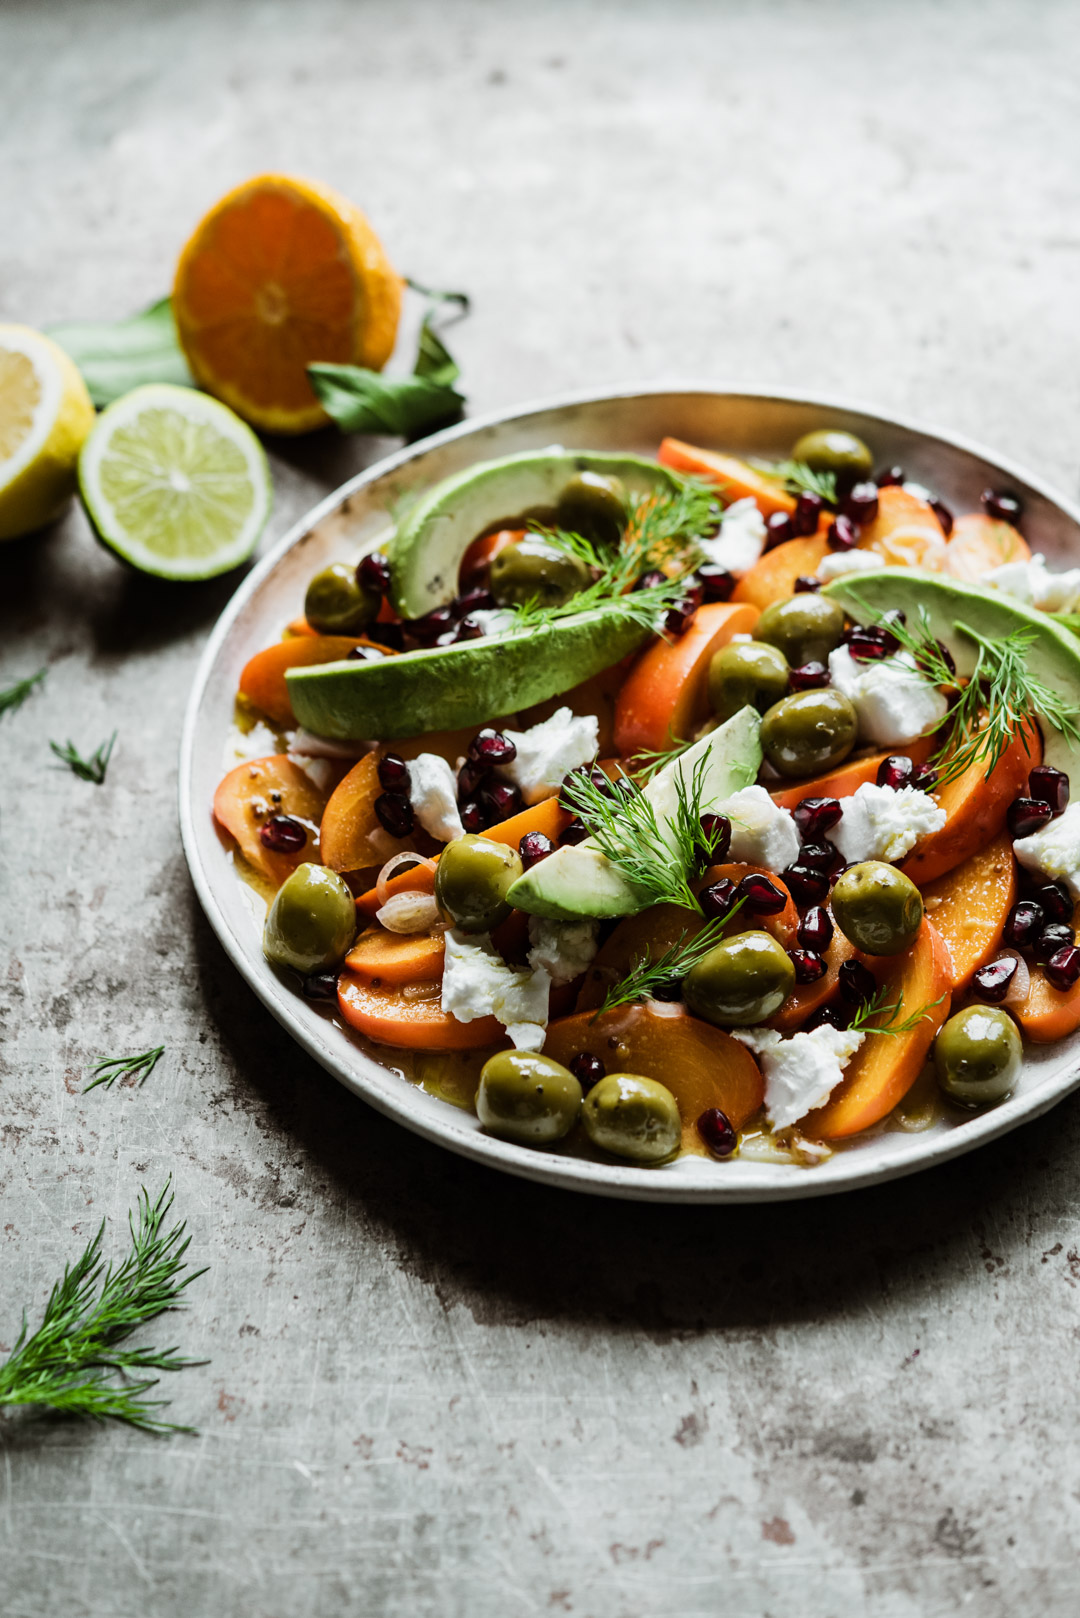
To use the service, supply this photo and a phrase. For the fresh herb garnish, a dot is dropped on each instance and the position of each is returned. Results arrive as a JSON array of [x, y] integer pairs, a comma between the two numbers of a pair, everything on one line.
[[73, 1362], [16, 694], [656, 861], [877, 1006], [87, 769], [798, 478], [650, 761], [646, 975], [116, 356], [115, 1067]]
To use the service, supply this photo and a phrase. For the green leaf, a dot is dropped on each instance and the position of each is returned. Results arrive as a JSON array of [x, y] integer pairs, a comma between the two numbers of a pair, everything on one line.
[[115, 357], [363, 401]]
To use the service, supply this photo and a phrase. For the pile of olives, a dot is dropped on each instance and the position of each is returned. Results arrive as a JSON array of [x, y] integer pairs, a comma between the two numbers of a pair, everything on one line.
[[535, 1101], [536, 569]]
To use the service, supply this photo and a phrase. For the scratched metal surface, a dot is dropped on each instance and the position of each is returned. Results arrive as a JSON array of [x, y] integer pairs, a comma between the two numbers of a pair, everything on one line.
[[431, 1389]]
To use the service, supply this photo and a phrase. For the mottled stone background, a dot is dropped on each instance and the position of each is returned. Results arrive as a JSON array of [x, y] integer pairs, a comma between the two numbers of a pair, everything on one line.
[[430, 1389]]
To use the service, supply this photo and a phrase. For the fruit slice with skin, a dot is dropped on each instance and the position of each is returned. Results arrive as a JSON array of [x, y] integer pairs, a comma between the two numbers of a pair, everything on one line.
[[174, 483], [1054, 655], [279, 273], [783, 925], [853, 774], [252, 794], [736, 479], [970, 905], [383, 959], [462, 685], [885, 1066], [975, 806], [701, 1066], [45, 416], [581, 881], [773, 577], [979, 543], [262, 679], [638, 938], [427, 550], [906, 531], [412, 1017], [1049, 1014], [351, 834], [665, 697]]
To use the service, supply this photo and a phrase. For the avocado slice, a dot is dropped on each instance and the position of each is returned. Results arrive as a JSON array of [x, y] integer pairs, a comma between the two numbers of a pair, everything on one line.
[[426, 551], [449, 687], [582, 881], [1054, 657]]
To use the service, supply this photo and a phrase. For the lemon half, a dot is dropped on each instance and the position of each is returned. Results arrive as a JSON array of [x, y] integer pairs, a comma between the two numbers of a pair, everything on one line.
[[45, 415]]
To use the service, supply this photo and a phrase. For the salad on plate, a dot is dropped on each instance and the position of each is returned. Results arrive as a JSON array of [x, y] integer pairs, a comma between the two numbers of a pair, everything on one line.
[[687, 804]]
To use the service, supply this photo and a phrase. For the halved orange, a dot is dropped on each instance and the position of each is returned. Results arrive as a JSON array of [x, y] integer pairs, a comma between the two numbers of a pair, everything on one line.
[[279, 273]]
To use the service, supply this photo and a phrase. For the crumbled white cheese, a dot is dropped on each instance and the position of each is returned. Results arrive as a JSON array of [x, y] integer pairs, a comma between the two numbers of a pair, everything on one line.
[[1055, 850], [838, 562], [1034, 584], [258, 742], [884, 823], [761, 832], [894, 702], [801, 1072], [741, 539], [563, 948], [433, 794], [493, 620], [320, 771], [549, 751], [478, 983]]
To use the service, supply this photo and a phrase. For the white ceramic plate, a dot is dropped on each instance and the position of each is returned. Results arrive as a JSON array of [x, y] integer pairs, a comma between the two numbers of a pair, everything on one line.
[[634, 420]]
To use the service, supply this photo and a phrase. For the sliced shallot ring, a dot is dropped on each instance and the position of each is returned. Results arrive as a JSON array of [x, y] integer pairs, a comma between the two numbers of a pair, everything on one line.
[[1017, 991], [404, 858], [408, 913]]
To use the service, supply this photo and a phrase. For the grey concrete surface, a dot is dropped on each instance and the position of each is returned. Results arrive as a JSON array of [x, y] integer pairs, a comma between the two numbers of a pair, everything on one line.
[[430, 1389]]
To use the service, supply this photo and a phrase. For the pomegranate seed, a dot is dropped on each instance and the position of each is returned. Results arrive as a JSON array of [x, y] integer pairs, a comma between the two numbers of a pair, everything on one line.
[[534, 847], [716, 1132], [470, 779], [587, 1069], [895, 772], [804, 519], [695, 590], [892, 476], [394, 813], [649, 580], [475, 600], [816, 930], [1056, 901], [861, 502], [1025, 923], [1063, 969], [717, 899], [806, 886], [856, 983], [574, 833], [716, 834], [1050, 786], [925, 779], [763, 897], [831, 1016], [502, 799], [1056, 935], [992, 982], [1001, 506], [1027, 815], [490, 747], [428, 629], [806, 584], [809, 677], [474, 816], [391, 635], [815, 816], [843, 535], [282, 834], [319, 986], [373, 573], [393, 773], [822, 857], [869, 645], [808, 966], [717, 584], [943, 515], [677, 619], [364, 654], [468, 629], [778, 528]]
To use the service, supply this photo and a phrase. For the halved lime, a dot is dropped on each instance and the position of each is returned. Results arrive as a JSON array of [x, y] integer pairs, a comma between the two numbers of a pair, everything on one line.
[[175, 483]]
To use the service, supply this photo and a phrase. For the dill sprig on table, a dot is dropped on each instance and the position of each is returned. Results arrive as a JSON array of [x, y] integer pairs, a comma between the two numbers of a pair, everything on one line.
[[15, 695], [87, 769], [73, 1362], [115, 1067], [646, 976], [877, 1006], [798, 478]]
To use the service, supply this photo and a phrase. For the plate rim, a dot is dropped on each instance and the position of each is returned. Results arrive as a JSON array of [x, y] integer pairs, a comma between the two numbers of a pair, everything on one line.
[[568, 1173]]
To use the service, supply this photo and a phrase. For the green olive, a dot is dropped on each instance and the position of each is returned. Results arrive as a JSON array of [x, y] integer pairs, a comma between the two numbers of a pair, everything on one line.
[[526, 1098], [534, 568], [471, 881], [632, 1117], [748, 671], [829, 450], [877, 908], [312, 921], [978, 1055], [336, 604], [593, 505], [806, 628], [809, 732], [742, 981]]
